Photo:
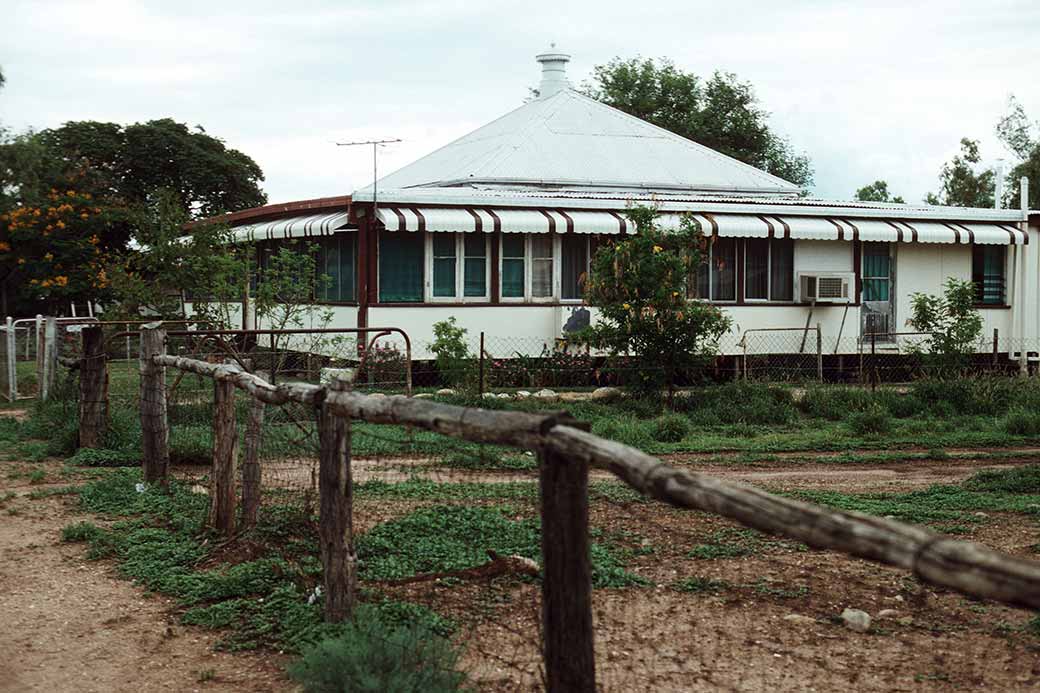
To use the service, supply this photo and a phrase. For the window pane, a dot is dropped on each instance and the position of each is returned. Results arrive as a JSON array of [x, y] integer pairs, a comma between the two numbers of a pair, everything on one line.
[[400, 267], [474, 278], [573, 265], [875, 289], [756, 268], [444, 264], [513, 245], [875, 260], [781, 269], [512, 278], [723, 266], [987, 272], [336, 263], [541, 266]]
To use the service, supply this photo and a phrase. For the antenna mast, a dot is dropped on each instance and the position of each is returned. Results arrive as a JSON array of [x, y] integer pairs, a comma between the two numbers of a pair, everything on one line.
[[375, 168]]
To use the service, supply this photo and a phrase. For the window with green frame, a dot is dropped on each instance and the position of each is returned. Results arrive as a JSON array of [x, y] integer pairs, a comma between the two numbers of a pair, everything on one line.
[[337, 260], [987, 273], [400, 267], [474, 271], [512, 265]]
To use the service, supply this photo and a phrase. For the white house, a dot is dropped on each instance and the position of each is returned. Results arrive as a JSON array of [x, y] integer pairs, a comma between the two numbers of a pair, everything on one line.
[[496, 229]]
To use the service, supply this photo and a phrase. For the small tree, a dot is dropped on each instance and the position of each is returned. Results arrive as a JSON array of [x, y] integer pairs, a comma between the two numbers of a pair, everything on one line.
[[952, 321], [639, 285], [453, 357]]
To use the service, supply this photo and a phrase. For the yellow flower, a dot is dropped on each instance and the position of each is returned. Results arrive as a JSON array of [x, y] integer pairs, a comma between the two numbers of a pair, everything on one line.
[[48, 257], [4, 246], [21, 261], [658, 248], [61, 280], [61, 224], [83, 215], [675, 293], [625, 306]]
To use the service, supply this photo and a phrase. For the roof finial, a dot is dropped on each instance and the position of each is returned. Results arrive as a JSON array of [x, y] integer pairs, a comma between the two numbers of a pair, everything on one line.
[[554, 72]]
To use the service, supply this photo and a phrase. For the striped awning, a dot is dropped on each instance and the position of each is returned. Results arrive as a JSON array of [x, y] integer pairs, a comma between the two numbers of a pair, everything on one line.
[[310, 226], [505, 220], [469, 220]]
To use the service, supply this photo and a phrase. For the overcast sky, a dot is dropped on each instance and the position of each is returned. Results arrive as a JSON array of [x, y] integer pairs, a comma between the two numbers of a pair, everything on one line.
[[867, 89]]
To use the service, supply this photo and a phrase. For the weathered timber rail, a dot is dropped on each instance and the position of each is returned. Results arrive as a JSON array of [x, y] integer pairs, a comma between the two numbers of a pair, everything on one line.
[[964, 566]]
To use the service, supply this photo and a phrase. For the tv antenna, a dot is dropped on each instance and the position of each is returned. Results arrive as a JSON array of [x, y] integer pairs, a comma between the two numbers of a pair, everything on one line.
[[375, 168]]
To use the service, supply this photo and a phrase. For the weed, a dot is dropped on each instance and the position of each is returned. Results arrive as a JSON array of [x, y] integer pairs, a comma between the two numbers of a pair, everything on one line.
[[671, 428], [91, 457], [1024, 479], [626, 430], [373, 655], [1022, 422], [207, 675], [872, 421]]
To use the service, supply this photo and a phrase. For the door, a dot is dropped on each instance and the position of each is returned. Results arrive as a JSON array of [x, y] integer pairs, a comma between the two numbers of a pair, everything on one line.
[[878, 299]]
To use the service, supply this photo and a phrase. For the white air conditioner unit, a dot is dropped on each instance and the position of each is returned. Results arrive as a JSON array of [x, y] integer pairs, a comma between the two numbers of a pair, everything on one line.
[[827, 287]]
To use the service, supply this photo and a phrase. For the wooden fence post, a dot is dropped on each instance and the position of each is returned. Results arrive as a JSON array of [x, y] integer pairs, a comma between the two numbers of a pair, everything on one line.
[[93, 388], [155, 427], [336, 529], [566, 575], [225, 450], [251, 464]]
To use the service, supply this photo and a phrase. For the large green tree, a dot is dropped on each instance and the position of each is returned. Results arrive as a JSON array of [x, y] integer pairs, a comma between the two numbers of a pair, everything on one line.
[[721, 112], [1022, 139], [962, 182], [877, 192], [121, 171]]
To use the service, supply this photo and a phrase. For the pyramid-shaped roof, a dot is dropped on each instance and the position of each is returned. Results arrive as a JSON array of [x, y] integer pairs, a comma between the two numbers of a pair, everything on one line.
[[565, 139]]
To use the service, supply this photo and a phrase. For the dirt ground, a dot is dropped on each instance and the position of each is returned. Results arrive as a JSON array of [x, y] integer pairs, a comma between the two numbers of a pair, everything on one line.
[[73, 625], [70, 624]]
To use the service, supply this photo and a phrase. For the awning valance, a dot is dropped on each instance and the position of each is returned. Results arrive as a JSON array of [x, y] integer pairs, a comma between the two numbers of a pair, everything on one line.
[[309, 226], [470, 220]]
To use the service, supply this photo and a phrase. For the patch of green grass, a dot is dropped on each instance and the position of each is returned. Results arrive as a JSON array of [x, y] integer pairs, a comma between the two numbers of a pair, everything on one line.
[[37, 476], [766, 589], [487, 460], [627, 430], [39, 493], [1025, 479], [733, 542], [448, 538], [872, 421], [92, 457]]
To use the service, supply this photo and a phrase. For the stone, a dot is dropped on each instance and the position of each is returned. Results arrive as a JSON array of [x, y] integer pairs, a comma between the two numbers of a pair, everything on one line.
[[423, 395], [328, 375], [887, 613], [445, 392], [504, 395], [800, 619], [378, 395], [523, 394], [856, 620], [545, 394], [605, 394], [905, 621], [489, 395], [573, 396]]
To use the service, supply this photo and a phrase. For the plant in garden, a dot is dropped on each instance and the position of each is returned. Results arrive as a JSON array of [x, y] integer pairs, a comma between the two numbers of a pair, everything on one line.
[[639, 284], [454, 361], [374, 655], [952, 321]]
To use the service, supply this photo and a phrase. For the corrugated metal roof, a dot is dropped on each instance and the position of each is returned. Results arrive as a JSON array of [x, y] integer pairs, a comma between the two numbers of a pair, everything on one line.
[[464, 197], [572, 140]]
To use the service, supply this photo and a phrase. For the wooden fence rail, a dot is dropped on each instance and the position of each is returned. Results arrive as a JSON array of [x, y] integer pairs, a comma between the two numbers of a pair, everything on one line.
[[965, 566], [566, 452]]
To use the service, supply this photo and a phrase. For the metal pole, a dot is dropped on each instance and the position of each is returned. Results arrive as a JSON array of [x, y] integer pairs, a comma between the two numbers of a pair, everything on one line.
[[12, 373], [480, 385], [819, 353], [873, 361]]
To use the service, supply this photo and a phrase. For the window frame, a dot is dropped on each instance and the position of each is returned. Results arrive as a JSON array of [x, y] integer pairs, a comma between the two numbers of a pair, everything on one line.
[[460, 268], [770, 242], [980, 295], [587, 242], [529, 296], [340, 237]]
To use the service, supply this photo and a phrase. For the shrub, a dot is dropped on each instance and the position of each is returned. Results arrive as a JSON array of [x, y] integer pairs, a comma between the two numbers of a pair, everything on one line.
[[968, 396], [622, 429], [834, 403], [671, 428], [739, 402], [90, 457], [1022, 422], [454, 362], [874, 420], [372, 655], [1015, 480]]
